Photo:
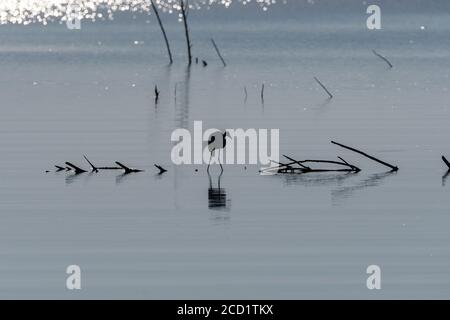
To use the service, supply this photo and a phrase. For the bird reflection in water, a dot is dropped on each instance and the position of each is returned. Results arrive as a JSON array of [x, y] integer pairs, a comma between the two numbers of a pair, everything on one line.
[[444, 178], [217, 197]]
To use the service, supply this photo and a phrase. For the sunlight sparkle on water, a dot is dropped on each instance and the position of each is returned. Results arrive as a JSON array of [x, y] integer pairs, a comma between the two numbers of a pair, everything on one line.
[[44, 11]]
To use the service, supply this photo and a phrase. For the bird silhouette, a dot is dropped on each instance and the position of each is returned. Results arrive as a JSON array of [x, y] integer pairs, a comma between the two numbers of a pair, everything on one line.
[[217, 141]]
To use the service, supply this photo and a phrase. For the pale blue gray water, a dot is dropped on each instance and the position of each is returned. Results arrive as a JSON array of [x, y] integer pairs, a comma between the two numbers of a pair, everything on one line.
[[67, 93]]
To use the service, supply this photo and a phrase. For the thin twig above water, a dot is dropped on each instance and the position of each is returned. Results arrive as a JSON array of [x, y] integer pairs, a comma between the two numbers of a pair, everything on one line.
[[383, 58], [324, 88], [394, 168], [184, 6], [446, 162], [218, 52], [169, 52]]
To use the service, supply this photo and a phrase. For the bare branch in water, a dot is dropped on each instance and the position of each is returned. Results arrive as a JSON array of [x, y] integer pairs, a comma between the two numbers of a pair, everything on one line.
[[394, 168], [324, 88], [289, 167], [218, 52], [262, 92], [383, 58], [157, 92], [162, 30], [161, 169], [184, 6], [446, 162]]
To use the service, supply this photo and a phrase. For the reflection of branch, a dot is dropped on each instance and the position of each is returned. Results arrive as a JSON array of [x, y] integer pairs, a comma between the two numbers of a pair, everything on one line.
[[372, 181], [71, 178], [444, 177], [317, 180]]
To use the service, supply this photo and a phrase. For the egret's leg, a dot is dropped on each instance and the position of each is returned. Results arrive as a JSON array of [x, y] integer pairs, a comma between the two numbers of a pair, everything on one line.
[[210, 157], [221, 168]]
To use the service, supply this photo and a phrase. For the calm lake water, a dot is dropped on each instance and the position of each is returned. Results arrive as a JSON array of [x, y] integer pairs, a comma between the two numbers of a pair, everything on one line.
[[66, 93]]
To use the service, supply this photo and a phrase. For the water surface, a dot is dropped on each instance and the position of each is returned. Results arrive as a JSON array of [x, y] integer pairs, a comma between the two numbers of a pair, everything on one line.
[[66, 93]]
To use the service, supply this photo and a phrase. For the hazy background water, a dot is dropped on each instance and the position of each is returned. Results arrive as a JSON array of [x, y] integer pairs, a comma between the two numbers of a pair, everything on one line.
[[67, 93]]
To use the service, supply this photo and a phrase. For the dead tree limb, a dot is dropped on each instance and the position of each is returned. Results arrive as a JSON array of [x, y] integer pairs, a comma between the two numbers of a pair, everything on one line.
[[289, 167], [97, 169], [93, 168], [161, 169], [262, 93], [162, 30], [383, 58], [77, 170], [127, 169], [343, 163], [297, 162], [183, 7], [394, 168], [156, 94], [446, 162], [324, 88], [218, 52], [301, 170]]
